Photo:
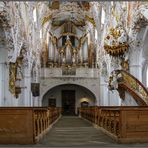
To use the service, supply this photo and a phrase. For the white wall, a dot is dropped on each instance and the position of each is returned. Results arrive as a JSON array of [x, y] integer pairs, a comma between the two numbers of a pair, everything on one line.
[[6, 99], [91, 84], [108, 98], [129, 100]]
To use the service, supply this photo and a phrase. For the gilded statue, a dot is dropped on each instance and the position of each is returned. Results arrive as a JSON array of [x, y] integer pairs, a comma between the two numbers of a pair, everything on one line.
[[116, 42], [12, 77]]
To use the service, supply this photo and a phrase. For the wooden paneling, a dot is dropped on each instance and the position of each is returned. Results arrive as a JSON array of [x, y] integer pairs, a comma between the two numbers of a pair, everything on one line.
[[134, 125], [16, 126], [26, 125], [128, 124]]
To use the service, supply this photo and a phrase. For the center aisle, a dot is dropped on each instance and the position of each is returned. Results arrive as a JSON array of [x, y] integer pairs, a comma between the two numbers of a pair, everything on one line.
[[74, 131]]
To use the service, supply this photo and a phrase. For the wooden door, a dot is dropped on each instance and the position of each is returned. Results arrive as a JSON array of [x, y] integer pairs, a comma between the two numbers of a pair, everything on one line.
[[68, 102]]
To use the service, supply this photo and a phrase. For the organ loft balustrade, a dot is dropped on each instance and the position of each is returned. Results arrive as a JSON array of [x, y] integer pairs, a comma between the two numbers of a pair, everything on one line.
[[70, 72]]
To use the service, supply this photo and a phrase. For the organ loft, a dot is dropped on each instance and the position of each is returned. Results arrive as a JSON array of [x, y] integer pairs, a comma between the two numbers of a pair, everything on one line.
[[65, 62], [69, 46]]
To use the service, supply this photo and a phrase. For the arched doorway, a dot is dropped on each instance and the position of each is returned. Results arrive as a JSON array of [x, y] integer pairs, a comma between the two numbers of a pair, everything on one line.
[[69, 97]]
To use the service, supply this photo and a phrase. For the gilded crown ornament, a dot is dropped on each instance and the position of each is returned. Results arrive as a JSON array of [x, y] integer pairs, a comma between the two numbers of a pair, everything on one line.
[[115, 43]]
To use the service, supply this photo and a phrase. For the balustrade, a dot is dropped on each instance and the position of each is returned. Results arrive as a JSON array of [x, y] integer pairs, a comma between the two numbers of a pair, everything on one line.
[[43, 118], [30, 123], [125, 123], [129, 83]]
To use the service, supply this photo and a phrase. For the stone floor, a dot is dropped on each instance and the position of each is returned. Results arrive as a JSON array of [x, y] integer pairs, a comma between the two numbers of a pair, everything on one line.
[[76, 132], [72, 131]]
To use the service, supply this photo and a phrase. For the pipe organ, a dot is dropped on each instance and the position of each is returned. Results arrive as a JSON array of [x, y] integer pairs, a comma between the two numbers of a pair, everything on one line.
[[69, 49]]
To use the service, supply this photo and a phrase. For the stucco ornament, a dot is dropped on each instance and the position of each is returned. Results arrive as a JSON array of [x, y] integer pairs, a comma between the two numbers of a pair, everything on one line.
[[116, 42], [140, 19]]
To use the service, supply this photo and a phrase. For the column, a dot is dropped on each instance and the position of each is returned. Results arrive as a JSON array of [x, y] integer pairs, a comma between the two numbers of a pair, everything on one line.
[[2, 84], [27, 91], [135, 64], [103, 92]]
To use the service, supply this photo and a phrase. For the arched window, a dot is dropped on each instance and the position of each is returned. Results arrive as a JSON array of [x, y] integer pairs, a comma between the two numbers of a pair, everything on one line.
[[96, 34], [103, 16], [34, 15]]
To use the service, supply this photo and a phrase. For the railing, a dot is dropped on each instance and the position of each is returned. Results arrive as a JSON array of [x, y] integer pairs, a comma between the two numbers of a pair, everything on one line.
[[125, 124], [135, 84], [108, 117], [88, 113], [30, 123], [109, 120], [43, 118], [128, 82]]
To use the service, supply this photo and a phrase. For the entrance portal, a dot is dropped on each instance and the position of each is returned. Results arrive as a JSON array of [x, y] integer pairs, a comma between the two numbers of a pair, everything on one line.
[[68, 102]]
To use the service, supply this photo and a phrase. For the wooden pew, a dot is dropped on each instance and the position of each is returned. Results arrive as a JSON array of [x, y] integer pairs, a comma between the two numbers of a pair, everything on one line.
[[25, 125], [126, 124]]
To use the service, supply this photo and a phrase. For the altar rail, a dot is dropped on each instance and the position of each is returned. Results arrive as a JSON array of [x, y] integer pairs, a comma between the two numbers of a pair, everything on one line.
[[124, 124], [26, 125]]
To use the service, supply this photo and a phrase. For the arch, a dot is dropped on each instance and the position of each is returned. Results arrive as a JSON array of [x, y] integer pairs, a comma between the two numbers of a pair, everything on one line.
[[72, 94], [60, 84]]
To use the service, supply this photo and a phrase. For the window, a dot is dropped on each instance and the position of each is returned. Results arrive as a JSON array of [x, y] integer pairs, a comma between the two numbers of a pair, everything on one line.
[[96, 34], [103, 16], [34, 15], [63, 40], [41, 34], [72, 40]]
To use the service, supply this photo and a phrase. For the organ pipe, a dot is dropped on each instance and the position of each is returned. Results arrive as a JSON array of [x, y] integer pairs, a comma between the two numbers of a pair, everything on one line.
[[51, 50], [85, 52]]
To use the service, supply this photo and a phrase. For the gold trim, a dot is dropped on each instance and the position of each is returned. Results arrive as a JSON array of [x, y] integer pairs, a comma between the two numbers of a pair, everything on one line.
[[46, 19], [91, 20], [12, 78]]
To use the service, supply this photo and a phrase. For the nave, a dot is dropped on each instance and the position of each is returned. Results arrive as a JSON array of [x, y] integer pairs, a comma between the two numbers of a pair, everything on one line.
[[74, 131], [63, 62]]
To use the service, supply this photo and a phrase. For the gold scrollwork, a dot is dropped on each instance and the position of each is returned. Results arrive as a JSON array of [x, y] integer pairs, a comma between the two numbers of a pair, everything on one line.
[[12, 78], [116, 41], [15, 73], [46, 19], [91, 20]]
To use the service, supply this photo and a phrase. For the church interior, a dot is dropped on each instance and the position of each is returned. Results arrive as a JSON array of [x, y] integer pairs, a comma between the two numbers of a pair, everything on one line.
[[74, 73]]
